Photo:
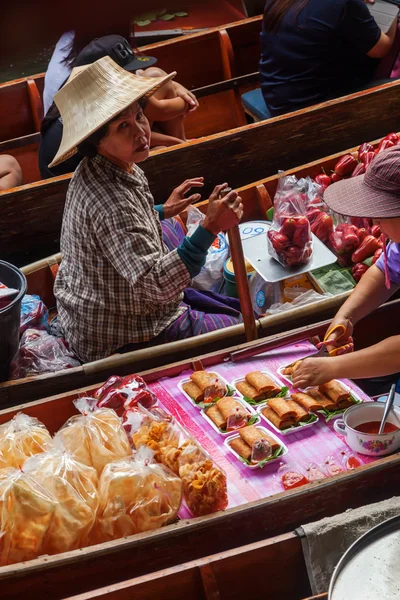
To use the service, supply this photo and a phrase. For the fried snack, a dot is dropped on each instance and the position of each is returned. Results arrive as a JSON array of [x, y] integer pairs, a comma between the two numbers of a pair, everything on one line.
[[290, 369], [262, 383], [216, 416], [156, 435], [193, 391], [241, 448], [95, 439], [281, 408], [308, 402], [21, 438], [169, 457], [250, 392], [26, 514], [279, 422], [229, 407], [209, 384], [323, 400], [252, 435], [204, 487], [335, 391], [301, 413], [346, 403], [136, 495], [74, 486]]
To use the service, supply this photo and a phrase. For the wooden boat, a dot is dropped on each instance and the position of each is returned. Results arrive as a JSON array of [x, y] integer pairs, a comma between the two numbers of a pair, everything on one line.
[[106, 564], [32, 214], [236, 574], [40, 275], [226, 52]]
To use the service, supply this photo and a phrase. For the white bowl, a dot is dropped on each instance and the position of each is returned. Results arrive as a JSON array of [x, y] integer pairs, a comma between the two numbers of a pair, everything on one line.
[[369, 444]]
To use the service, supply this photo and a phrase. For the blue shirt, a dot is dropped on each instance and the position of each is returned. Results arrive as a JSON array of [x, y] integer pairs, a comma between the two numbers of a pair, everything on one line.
[[317, 54]]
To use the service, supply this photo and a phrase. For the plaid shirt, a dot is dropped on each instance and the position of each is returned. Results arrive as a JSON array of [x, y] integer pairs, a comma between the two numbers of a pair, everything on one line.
[[117, 283]]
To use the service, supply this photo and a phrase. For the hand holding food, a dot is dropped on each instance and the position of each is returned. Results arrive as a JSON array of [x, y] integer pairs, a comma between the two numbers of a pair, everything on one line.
[[314, 371], [178, 202]]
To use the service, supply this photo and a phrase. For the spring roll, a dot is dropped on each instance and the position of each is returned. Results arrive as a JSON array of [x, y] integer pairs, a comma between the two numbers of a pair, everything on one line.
[[263, 384], [323, 400], [335, 391], [308, 402], [346, 403], [209, 384], [252, 435], [215, 415], [243, 449], [301, 413], [290, 369], [249, 391], [280, 406], [233, 412], [193, 391], [279, 422]]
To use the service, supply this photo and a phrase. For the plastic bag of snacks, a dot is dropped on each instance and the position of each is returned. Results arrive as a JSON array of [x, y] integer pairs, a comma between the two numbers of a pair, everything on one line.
[[34, 313], [96, 437], [136, 494], [153, 429], [74, 487], [122, 393], [40, 352], [204, 484], [21, 438], [26, 516], [289, 239]]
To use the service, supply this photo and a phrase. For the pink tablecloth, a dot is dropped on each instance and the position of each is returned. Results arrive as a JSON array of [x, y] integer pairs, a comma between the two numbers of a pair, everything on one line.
[[314, 444]]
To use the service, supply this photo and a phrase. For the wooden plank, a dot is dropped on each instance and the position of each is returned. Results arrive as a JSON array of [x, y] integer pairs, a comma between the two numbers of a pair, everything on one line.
[[235, 574]]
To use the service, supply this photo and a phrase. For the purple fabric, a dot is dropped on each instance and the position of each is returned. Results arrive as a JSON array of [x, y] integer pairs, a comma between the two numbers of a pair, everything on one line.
[[172, 233], [393, 254]]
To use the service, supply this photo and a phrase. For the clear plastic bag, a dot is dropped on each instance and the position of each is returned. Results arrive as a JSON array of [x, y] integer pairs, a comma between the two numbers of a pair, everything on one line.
[[289, 239], [26, 515], [34, 313], [74, 487], [39, 352], [211, 275], [21, 438], [263, 294], [136, 495], [94, 438], [299, 300], [120, 394]]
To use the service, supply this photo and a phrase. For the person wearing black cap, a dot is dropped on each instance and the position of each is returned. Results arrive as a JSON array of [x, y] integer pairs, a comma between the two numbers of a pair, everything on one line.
[[167, 109]]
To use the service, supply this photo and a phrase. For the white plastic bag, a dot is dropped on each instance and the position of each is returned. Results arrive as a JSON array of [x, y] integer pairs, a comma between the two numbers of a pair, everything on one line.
[[211, 275], [263, 294]]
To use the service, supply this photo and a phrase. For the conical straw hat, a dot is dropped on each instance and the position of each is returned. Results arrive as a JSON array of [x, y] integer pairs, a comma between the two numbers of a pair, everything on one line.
[[95, 94]]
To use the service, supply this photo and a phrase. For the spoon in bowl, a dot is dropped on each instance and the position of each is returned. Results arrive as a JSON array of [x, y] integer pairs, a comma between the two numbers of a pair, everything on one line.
[[388, 407]]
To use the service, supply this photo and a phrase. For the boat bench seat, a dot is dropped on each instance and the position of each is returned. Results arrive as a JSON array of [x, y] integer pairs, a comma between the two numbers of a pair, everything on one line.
[[255, 106]]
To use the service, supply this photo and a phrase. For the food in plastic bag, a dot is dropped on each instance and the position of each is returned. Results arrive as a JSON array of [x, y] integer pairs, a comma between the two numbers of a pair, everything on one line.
[[289, 239], [26, 515], [120, 394], [96, 437], [21, 438], [136, 495], [74, 487], [40, 352], [211, 275], [34, 313]]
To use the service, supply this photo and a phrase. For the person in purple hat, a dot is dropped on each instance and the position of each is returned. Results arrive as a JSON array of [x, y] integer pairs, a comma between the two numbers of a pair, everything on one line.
[[375, 195]]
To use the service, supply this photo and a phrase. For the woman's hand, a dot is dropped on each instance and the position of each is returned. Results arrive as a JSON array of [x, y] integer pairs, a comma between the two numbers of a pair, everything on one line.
[[188, 97], [223, 213], [314, 371], [346, 338], [177, 202]]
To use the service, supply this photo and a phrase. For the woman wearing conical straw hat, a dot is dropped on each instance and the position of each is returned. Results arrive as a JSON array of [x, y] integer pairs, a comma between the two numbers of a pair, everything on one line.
[[118, 287]]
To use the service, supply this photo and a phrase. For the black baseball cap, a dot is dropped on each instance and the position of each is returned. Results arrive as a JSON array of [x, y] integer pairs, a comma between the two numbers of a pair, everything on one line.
[[119, 49]]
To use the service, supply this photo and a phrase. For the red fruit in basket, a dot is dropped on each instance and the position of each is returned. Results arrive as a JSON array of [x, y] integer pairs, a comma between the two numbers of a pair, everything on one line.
[[367, 248], [359, 170], [368, 158], [322, 227], [376, 231], [385, 145], [323, 180], [335, 177], [279, 241], [345, 165], [358, 271], [377, 255], [364, 148]]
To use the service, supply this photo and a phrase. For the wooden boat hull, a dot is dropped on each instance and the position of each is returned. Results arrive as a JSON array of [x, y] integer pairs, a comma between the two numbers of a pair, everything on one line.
[[106, 564], [32, 214]]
